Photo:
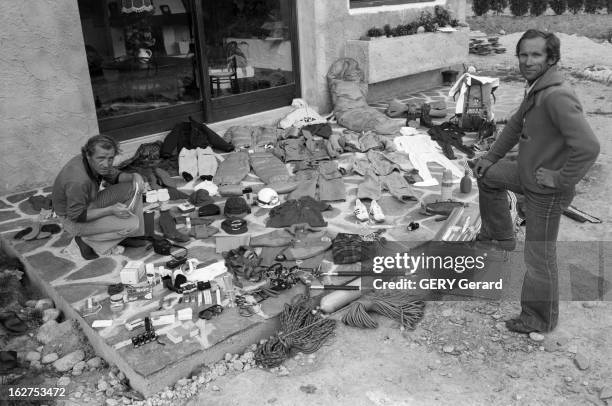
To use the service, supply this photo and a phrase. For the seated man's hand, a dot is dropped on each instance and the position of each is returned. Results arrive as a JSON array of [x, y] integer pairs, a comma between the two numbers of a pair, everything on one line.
[[120, 210], [481, 167]]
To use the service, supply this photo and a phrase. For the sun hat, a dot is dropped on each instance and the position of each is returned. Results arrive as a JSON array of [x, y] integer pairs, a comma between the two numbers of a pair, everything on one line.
[[267, 198]]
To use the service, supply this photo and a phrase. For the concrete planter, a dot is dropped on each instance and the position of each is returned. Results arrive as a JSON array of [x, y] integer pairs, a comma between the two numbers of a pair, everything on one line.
[[391, 58]]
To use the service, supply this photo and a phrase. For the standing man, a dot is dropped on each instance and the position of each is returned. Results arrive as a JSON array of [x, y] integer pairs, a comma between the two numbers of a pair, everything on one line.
[[556, 149], [98, 219]]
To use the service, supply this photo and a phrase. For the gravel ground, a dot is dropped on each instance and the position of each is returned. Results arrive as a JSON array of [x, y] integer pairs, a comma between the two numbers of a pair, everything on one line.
[[577, 53]]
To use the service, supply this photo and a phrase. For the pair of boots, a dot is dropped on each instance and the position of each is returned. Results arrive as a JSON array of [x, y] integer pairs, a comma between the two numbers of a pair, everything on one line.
[[197, 163], [423, 115]]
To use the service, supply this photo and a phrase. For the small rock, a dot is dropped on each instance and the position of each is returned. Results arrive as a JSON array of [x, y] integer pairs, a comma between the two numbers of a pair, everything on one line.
[[33, 356], [448, 348], [568, 379], [282, 371], [35, 365], [588, 305], [182, 382], [447, 312], [237, 365], [216, 388], [77, 395], [502, 32], [109, 392], [67, 362], [49, 358], [581, 361], [80, 365], [247, 356], [44, 304], [536, 336], [50, 314], [228, 356], [420, 30], [310, 389], [94, 363], [572, 349], [102, 385], [517, 396], [63, 381], [112, 402], [31, 303], [52, 330]]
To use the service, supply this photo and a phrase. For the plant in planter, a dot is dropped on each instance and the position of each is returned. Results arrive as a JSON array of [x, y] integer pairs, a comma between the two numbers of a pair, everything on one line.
[[387, 30], [427, 21], [375, 32]]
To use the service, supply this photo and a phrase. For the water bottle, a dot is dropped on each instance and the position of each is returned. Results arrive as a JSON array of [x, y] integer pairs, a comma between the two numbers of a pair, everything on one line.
[[447, 185]]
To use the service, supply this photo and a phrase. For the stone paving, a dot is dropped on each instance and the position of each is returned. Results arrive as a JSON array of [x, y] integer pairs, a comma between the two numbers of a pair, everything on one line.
[[75, 280]]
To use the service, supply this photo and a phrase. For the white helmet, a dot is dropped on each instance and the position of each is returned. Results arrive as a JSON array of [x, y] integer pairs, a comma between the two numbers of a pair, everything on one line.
[[267, 198]]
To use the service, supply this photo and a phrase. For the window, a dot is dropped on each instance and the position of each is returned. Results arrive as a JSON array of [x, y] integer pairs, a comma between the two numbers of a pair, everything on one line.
[[153, 65], [377, 3], [139, 58]]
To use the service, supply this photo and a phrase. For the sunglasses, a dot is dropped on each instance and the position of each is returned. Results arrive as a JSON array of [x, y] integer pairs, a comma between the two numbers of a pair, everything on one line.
[[210, 312]]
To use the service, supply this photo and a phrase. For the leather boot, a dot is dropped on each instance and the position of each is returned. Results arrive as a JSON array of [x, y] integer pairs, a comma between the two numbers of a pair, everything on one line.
[[425, 118]]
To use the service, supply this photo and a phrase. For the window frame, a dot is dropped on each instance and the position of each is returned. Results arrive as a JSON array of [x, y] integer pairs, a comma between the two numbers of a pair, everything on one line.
[[356, 4]]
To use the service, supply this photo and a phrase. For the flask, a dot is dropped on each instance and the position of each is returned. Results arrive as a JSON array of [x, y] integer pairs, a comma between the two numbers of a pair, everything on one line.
[[447, 185], [466, 183]]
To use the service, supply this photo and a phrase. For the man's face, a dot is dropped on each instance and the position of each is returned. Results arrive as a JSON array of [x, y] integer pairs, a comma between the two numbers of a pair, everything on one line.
[[101, 161], [533, 60]]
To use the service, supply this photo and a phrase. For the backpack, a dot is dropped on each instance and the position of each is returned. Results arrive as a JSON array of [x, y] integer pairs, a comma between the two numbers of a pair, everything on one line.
[[475, 103]]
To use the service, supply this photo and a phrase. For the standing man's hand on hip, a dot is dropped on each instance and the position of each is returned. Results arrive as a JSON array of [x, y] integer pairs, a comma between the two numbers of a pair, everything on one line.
[[481, 167], [545, 177]]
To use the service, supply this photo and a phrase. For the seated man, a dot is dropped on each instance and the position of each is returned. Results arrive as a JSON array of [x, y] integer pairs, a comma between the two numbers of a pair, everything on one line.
[[98, 219]]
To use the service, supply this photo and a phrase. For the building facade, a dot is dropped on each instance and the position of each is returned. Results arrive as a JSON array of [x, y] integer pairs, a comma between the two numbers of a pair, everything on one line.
[[74, 68]]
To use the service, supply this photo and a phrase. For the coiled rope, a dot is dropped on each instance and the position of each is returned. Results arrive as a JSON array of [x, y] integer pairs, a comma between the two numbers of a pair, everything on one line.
[[302, 329], [402, 308]]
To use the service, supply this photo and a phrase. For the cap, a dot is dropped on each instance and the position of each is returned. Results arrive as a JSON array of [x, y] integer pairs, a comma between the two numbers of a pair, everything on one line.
[[234, 225], [236, 206]]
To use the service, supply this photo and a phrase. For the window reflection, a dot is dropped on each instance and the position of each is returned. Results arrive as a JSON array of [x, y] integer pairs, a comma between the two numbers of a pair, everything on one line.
[[248, 45], [140, 57]]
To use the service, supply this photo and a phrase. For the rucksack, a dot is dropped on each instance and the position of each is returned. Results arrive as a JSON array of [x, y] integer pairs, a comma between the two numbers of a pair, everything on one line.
[[475, 101]]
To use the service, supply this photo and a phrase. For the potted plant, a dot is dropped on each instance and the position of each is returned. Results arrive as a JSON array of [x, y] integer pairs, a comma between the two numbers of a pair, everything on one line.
[[374, 33]]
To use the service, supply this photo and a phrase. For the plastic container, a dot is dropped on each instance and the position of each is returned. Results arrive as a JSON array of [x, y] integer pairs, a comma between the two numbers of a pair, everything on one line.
[[447, 185]]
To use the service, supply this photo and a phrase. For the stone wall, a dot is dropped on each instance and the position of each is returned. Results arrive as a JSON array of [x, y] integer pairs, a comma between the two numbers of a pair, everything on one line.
[[326, 25], [46, 102]]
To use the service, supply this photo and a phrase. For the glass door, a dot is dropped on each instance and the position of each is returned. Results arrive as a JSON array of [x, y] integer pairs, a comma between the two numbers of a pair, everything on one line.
[[250, 49]]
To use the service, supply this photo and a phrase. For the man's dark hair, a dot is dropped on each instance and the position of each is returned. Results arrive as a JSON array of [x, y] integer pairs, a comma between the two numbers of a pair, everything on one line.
[[103, 141], [553, 44]]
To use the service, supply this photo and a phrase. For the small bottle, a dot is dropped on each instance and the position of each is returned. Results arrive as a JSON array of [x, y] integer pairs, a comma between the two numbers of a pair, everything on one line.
[[466, 182], [447, 185]]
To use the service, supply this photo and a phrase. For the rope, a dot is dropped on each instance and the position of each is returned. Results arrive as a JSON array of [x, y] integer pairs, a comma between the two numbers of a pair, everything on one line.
[[401, 308], [301, 329]]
